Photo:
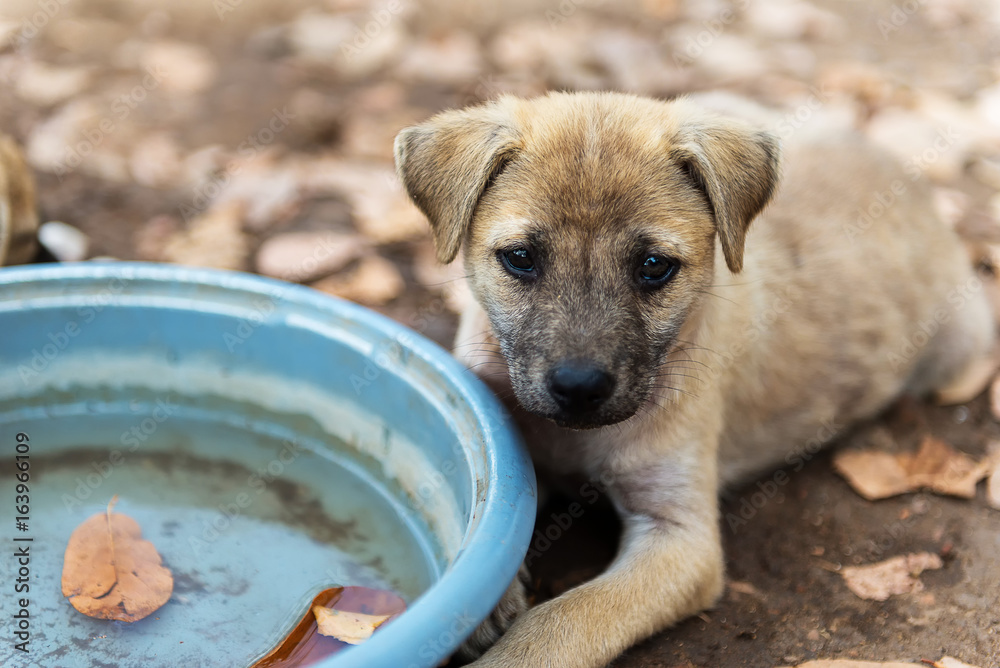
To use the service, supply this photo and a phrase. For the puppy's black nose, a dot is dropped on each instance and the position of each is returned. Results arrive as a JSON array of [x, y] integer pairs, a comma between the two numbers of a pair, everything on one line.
[[579, 386]]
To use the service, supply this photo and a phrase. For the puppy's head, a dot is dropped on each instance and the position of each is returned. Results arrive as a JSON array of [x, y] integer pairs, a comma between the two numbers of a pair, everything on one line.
[[589, 223]]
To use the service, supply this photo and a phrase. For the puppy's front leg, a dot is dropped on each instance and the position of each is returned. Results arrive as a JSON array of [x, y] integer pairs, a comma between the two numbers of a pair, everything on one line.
[[669, 567]]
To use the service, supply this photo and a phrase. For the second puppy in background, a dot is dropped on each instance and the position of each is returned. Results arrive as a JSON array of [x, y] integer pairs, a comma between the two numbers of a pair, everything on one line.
[[18, 217]]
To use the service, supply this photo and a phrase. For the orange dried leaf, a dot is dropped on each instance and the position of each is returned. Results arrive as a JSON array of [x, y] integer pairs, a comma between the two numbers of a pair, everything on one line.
[[308, 642], [743, 588], [946, 662], [293, 650], [943, 469], [109, 572], [950, 662], [993, 488], [374, 282], [935, 466], [992, 464], [351, 627], [873, 475], [877, 582], [845, 663]]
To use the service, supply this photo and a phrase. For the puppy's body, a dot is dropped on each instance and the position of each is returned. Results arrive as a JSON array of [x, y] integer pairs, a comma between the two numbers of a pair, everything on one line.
[[861, 296], [757, 346]]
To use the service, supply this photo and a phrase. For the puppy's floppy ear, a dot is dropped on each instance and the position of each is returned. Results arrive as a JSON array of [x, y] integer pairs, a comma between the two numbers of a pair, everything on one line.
[[446, 164], [737, 168]]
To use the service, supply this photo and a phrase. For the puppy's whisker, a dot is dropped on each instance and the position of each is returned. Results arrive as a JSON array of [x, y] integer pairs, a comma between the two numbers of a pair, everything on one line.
[[480, 338], [431, 286], [648, 407], [691, 345], [679, 372], [475, 341], [686, 360], [488, 374], [677, 375], [505, 396], [674, 389], [487, 351], [686, 352], [673, 377], [683, 366], [495, 354], [756, 281], [712, 294], [684, 363]]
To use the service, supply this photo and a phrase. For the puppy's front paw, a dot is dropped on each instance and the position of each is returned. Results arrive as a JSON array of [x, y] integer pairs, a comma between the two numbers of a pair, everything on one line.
[[512, 604]]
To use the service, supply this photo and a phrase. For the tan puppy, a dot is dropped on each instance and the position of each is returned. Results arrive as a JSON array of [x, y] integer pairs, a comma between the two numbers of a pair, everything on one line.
[[18, 218], [656, 346]]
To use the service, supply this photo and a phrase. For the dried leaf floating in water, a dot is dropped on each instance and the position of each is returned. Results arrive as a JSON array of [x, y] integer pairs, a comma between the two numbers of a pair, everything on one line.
[[110, 572], [307, 643], [351, 627]]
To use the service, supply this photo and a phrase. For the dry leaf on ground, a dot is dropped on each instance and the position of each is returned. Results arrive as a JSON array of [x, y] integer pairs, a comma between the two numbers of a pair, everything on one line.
[[993, 487], [381, 209], [180, 66], [950, 662], [454, 58], [308, 256], [741, 587], [156, 161], [45, 85], [873, 475], [110, 572], [374, 282], [941, 468], [842, 663], [946, 662], [152, 237], [213, 239], [269, 190], [879, 581], [351, 627], [992, 462], [935, 466]]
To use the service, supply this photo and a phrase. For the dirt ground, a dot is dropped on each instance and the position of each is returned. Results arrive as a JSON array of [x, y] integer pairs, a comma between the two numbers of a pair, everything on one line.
[[212, 133]]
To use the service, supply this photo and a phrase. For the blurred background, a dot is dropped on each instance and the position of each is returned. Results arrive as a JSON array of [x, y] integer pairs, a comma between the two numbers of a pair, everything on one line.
[[198, 131], [257, 135]]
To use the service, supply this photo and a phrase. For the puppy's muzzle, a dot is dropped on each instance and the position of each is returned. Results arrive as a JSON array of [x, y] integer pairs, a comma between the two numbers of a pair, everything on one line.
[[579, 386]]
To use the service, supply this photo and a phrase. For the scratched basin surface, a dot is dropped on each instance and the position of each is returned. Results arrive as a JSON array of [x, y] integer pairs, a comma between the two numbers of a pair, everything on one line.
[[270, 441]]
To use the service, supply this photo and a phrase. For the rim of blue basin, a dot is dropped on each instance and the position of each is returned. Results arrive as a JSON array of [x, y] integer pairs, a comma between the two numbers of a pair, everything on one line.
[[489, 555]]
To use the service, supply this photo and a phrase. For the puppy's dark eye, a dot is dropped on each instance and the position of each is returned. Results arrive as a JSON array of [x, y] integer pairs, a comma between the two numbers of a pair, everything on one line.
[[518, 262], [656, 270]]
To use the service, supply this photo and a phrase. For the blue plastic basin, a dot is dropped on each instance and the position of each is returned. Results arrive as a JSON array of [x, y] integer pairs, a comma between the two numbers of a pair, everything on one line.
[[271, 442]]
